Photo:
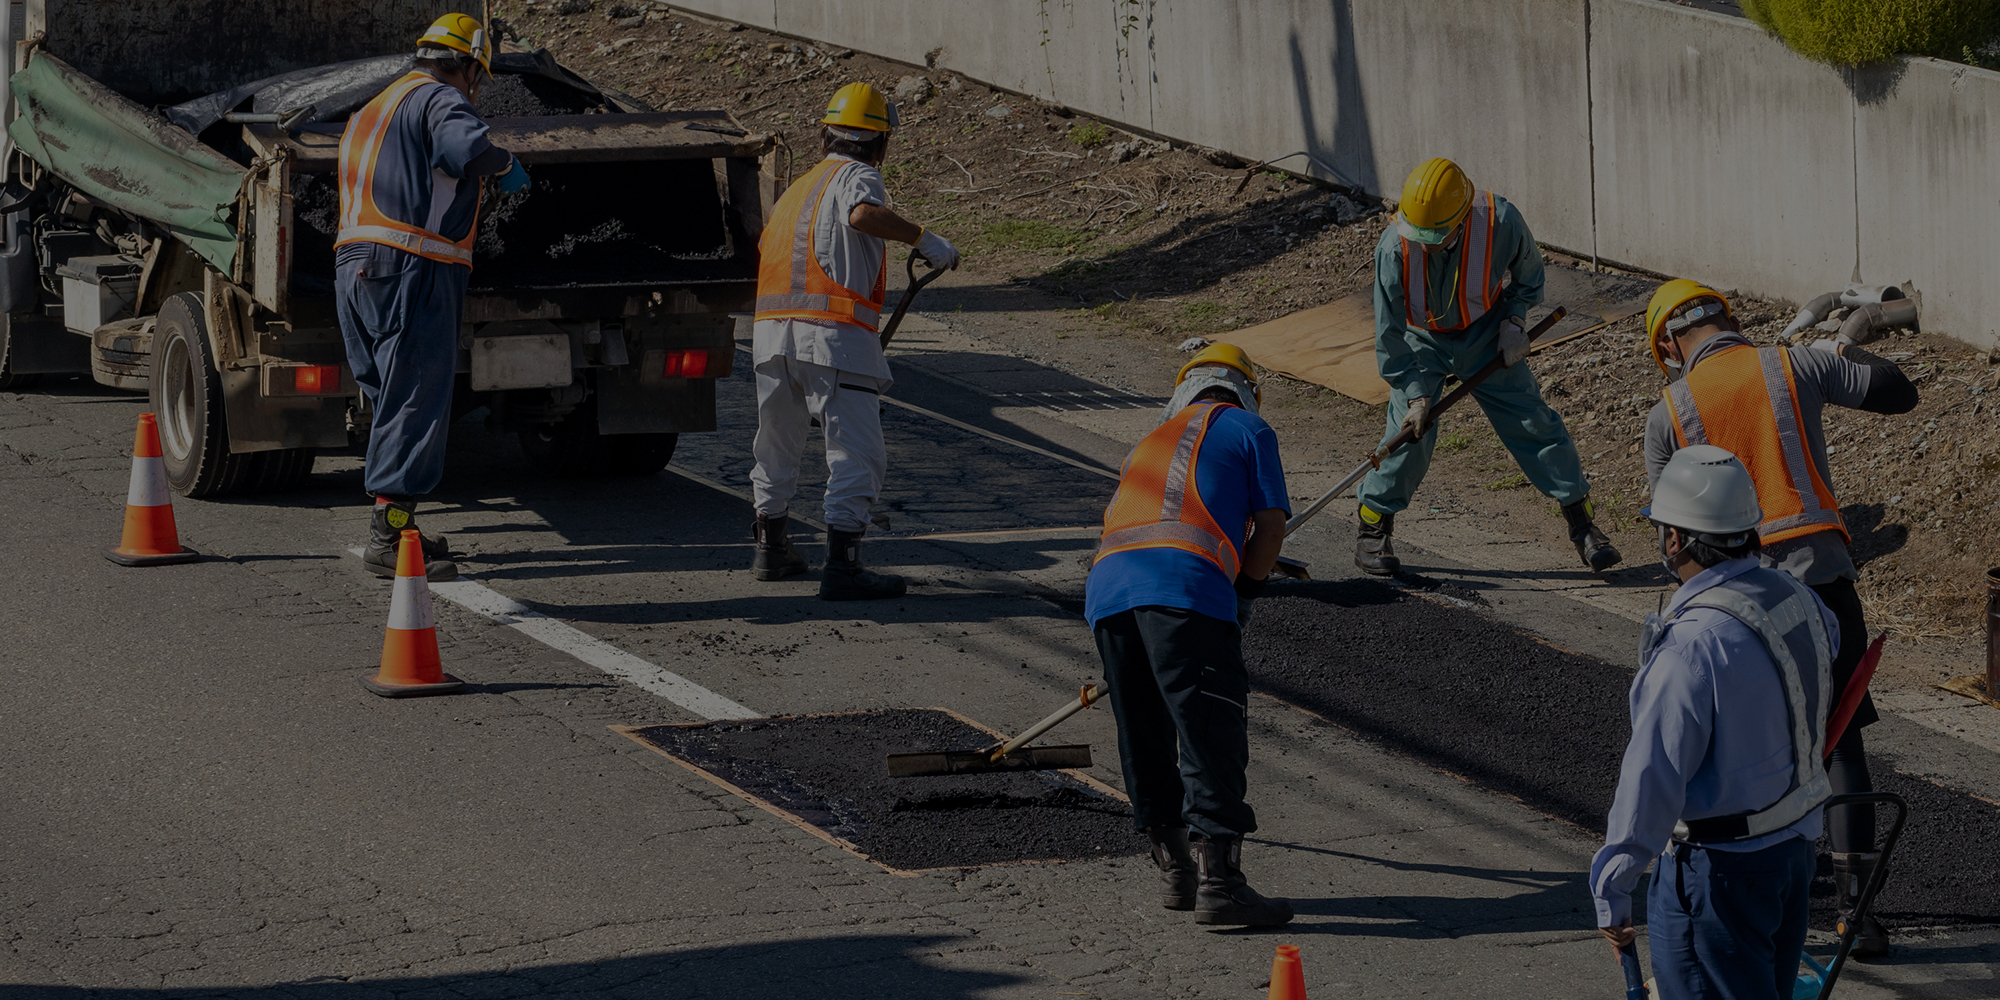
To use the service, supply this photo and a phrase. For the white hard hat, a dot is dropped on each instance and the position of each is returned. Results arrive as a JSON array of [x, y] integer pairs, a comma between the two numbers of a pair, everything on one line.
[[1706, 490]]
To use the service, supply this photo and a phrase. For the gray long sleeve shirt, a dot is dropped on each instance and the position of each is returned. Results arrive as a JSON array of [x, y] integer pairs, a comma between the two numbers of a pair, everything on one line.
[[1821, 377]]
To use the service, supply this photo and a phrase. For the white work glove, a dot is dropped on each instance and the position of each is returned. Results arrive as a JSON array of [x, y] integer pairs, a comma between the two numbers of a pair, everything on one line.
[[1513, 341], [1417, 419], [937, 250]]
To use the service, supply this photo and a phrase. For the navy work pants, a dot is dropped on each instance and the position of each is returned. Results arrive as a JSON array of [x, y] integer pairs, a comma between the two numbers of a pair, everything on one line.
[[399, 316], [1728, 925], [1181, 696]]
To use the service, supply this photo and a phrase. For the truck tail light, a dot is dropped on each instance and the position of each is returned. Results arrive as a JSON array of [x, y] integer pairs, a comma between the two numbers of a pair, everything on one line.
[[691, 363], [316, 380]]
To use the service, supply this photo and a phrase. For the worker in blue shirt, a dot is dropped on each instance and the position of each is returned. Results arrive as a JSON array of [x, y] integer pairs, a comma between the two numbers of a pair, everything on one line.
[[1442, 308], [411, 164], [1168, 595], [1724, 769]]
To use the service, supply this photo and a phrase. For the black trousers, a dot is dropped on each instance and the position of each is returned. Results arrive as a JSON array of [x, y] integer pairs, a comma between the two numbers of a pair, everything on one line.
[[1851, 829], [1181, 696]]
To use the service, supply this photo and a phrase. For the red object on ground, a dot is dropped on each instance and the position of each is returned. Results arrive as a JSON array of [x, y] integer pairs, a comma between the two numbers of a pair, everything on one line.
[[1850, 699], [1288, 975], [150, 538]]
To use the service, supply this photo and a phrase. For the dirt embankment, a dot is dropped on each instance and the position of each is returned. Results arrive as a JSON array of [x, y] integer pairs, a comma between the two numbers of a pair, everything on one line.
[[1113, 236]]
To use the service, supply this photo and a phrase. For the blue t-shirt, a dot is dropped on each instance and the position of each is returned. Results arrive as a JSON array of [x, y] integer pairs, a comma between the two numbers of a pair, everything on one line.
[[1237, 472]]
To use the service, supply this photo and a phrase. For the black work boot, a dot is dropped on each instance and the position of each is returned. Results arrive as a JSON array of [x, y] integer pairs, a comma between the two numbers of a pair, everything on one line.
[[385, 534], [1178, 876], [1596, 549], [1224, 896], [1374, 553], [1851, 873], [776, 557], [843, 579]]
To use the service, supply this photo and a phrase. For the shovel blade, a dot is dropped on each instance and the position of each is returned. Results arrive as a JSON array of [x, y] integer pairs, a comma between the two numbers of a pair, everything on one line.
[[1054, 758], [1291, 569]]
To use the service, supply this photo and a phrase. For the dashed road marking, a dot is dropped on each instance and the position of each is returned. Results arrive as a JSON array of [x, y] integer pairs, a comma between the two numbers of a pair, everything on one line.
[[566, 638]]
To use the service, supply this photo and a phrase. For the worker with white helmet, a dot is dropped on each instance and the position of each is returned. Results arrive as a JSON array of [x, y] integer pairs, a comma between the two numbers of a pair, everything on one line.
[[821, 286], [1764, 404], [1442, 308], [1189, 538], [412, 168], [1723, 771]]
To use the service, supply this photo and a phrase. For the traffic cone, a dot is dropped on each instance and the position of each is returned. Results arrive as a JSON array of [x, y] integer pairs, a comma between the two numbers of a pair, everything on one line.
[[1288, 975], [410, 663], [150, 538]]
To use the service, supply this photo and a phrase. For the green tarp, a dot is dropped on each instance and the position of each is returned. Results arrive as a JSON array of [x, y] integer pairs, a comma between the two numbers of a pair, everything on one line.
[[126, 156]]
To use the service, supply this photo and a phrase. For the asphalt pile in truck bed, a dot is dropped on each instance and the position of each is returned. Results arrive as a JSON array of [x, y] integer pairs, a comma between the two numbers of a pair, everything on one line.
[[1535, 722], [829, 771], [525, 95]]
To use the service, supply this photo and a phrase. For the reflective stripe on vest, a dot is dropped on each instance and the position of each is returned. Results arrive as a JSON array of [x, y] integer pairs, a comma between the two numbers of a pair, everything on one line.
[[1158, 505], [361, 220], [790, 282], [1776, 626], [1744, 399], [1477, 290]]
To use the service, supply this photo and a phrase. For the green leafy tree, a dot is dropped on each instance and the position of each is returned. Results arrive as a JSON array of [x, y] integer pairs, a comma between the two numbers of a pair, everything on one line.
[[1860, 32]]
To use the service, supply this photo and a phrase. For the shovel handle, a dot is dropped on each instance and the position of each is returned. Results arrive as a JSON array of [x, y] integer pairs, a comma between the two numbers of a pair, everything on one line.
[[1085, 700], [1635, 977], [1406, 435], [916, 285], [1851, 926]]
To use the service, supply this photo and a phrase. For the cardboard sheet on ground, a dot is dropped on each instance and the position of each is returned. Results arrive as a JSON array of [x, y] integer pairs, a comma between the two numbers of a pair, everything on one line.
[[1334, 345]]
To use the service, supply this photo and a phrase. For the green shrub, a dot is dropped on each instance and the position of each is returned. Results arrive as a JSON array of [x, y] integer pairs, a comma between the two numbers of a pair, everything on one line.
[[1089, 134], [1033, 234], [1860, 32]]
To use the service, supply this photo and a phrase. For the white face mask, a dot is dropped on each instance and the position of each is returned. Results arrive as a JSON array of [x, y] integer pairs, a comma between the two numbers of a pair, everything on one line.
[[1666, 560]]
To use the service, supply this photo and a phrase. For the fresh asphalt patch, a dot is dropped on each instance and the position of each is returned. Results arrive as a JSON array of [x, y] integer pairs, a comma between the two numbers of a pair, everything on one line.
[[829, 771], [1520, 717]]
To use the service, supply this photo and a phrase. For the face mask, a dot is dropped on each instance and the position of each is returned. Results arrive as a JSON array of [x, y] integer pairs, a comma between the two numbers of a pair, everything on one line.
[[1666, 560]]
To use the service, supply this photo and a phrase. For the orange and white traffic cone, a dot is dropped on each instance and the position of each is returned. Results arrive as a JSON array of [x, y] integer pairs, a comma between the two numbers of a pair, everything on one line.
[[150, 538], [1288, 975], [410, 662]]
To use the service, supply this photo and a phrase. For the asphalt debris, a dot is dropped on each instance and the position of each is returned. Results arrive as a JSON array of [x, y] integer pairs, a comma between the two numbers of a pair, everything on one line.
[[829, 771]]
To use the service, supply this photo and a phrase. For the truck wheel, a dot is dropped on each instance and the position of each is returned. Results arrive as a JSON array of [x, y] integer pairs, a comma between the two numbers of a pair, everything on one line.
[[281, 470], [186, 393], [575, 448]]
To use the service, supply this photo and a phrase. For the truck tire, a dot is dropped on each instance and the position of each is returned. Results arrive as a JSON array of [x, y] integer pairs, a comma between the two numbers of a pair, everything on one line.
[[284, 469], [575, 448], [186, 393]]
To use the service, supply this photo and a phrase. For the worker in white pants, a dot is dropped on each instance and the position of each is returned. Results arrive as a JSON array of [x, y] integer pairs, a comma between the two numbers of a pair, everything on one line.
[[822, 280], [790, 395]]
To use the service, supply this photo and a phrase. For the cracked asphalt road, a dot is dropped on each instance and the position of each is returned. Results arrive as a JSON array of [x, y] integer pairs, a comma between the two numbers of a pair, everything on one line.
[[201, 800]]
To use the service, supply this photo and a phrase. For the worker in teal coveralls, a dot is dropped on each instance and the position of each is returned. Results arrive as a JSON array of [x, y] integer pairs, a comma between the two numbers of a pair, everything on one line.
[[1442, 308]]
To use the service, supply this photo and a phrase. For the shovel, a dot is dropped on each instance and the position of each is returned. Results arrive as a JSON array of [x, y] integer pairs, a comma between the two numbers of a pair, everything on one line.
[[903, 304], [1296, 569], [1007, 755]]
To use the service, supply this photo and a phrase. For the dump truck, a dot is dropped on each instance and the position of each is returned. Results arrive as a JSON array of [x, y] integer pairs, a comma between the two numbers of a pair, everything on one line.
[[189, 252]]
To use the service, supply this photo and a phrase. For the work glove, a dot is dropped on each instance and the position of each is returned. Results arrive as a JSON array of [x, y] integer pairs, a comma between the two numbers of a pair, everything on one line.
[[515, 180], [1247, 590], [1513, 341], [1417, 419], [937, 250]]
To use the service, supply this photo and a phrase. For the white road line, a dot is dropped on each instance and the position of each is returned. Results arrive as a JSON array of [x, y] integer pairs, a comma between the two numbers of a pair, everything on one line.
[[565, 638]]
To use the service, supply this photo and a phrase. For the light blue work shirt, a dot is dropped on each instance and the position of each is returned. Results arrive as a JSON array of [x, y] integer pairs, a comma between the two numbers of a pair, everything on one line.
[[1710, 737], [1402, 352]]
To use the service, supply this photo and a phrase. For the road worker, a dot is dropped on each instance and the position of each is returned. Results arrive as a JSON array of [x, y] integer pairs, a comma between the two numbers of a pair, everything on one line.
[[820, 291], [412, 169], [1442, 309], [1168, 595], [1764, 405], [1723, 772]]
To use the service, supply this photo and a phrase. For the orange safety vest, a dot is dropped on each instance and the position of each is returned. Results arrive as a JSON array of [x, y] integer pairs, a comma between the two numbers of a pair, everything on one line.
[[361, 221], [1744, 399], [1157, 505], [1478, 291], [790, 282]]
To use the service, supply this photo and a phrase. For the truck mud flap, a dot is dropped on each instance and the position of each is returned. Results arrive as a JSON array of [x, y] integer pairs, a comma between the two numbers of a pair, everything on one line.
[[261, 423], [626, 405], [35, 345]]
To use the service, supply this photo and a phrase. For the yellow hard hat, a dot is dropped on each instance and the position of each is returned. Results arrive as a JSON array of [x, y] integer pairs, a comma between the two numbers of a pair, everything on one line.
[[461, 33], [1227, 355], [1436, 198], [860, 106], [1672, 296]]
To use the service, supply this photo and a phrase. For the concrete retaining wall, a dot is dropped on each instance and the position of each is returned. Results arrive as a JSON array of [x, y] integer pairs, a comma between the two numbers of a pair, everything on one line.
[[1645, 132]]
